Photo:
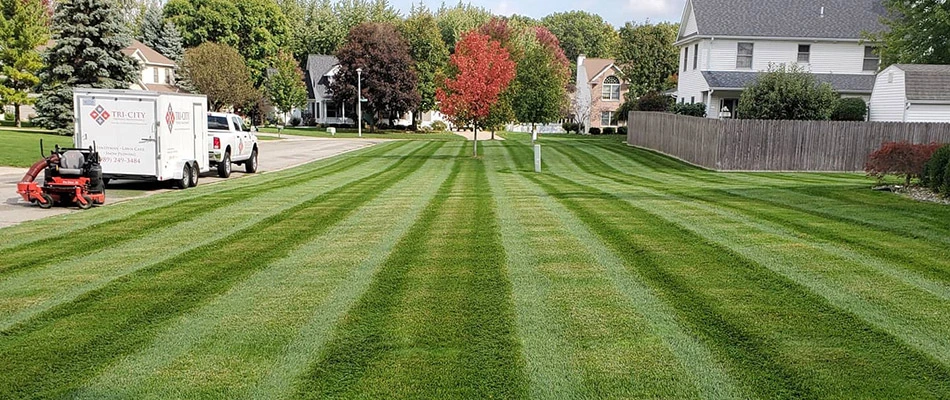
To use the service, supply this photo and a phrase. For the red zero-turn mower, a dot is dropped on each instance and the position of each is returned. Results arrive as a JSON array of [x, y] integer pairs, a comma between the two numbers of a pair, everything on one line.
[[72, 176]]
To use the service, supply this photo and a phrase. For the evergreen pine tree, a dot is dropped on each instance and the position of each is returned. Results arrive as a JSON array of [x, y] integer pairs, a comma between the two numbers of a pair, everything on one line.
[[89, 36], [23, 26], [161, 35]]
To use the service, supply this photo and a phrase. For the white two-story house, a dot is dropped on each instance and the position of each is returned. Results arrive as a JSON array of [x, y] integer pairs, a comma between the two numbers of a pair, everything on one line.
[[725, 44]]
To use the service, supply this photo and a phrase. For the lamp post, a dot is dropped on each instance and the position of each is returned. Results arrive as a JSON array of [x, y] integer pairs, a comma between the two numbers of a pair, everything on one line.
[[359, 102]]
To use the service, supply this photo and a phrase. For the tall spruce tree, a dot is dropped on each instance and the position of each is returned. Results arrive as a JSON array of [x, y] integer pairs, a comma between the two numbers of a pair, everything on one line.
[[161, 35], [23, 28], [89, 37]]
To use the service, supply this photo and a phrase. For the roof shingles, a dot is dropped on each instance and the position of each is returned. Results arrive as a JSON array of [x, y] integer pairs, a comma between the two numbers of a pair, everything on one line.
[[926, 82], [739, 80], [842, 19]]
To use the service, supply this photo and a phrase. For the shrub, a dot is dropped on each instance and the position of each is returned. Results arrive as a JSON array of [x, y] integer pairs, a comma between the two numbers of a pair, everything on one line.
[[295, 121], [594, 131], [935, 171], [439, 126], [900, 158], [622, 130], [610, 131], [787, 93], [570, 127], [654, 101], [690, 109], [850, 109]]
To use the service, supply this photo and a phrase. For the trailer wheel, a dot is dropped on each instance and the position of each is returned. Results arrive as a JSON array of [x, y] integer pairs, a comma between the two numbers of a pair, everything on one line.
[[185, 180], [250, 166], [224, 167], [49, 201], [193, 180], [86, 206]]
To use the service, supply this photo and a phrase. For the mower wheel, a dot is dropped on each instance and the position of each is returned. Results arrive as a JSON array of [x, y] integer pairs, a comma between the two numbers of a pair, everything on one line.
[[86, 206], [49, 201], [193, 179], [250, 166], [224, 167], [185, 180]]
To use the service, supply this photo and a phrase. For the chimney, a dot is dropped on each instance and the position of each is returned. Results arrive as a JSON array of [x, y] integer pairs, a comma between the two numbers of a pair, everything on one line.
[[822, 12], [580, 59]]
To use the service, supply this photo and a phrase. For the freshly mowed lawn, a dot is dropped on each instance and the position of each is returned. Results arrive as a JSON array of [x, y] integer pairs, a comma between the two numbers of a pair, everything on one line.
[[21, 148], [348, 133], [411, 270]]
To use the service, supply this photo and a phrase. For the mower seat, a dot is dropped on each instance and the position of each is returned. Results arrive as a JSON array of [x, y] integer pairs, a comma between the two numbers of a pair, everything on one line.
[[71, 162]]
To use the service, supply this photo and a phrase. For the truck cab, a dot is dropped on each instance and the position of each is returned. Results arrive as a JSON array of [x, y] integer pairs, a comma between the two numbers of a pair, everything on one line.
[[231, 141]]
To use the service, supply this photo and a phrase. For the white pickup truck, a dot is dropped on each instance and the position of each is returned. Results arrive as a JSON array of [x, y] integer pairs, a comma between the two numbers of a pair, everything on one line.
[[229, 141]]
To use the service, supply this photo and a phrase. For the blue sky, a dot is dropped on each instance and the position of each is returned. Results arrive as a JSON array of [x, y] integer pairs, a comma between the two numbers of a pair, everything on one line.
[[616, 12]]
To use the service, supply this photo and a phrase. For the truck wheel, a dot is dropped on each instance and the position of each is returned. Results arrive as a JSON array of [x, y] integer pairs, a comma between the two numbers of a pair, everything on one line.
[[49, 201], [250, 166], [193, 181], [185, 180], [224, 167]]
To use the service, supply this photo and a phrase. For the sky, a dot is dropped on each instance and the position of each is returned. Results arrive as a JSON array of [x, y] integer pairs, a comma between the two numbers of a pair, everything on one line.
[[616, 12]]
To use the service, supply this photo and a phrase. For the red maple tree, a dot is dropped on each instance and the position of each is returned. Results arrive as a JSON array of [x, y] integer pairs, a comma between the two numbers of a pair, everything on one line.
[[482, 71]]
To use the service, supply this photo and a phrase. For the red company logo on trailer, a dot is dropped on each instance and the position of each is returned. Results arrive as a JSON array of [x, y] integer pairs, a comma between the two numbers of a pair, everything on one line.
[[100, 115], [170, 118]]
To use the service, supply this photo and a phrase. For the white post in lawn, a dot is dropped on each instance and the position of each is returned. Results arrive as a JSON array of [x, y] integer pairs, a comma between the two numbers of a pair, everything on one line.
[[537, 158], [359, 102]]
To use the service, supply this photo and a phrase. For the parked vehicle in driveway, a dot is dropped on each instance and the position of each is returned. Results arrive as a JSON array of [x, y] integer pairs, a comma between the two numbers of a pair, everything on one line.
[[230, 141]]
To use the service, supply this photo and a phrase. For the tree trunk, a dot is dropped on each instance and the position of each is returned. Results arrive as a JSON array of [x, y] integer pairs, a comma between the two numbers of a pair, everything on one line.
[[492, 134], [534, 133], [416, 116], [16, 115], [475, 149]]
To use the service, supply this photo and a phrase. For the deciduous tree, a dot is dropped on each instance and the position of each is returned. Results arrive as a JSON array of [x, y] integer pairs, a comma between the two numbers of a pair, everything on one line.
[[256, 28], [787, 93], [388, 79], [482, 70], [23, 28], [89, 36], [542, 78], [580, 32], [916, 33], [285, 87], [219, 72], [429, 55], [647, 57], [456, 21]]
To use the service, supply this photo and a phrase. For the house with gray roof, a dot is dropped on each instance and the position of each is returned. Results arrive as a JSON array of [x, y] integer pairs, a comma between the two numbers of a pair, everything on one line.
[[320, 105], [912, 93], [725, 44]]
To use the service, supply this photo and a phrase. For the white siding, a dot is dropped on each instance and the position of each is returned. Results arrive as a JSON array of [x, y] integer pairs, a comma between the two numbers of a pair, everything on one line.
[[691, 82], [690, 27], [928, 113], [826, 57], [889, 96]]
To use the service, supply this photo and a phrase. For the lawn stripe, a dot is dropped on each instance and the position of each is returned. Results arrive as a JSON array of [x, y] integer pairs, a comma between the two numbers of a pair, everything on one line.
[[437, 320], [705, 372], [263, 314], [30, 292], [795, 341], [911, 313], [89, 221], [44, 357]]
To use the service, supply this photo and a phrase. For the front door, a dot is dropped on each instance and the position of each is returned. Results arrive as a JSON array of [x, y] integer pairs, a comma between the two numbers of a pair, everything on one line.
[[727, 108]]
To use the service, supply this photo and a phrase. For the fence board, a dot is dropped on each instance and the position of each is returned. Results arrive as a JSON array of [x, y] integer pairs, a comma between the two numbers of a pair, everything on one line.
[[760, 145]]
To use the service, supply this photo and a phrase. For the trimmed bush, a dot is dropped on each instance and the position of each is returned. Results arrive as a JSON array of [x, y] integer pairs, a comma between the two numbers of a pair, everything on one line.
[[594, 131], [439, 126], [900, 158], [935, 169], [622, 130], [850, 109], [570, 127], [690, 109], [654, 101], [787, 93], [295, 121], [610, 131]]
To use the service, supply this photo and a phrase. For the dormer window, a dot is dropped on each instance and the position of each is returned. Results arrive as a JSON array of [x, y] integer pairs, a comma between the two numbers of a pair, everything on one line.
[[804, 53], [744, 55], [611, 90]]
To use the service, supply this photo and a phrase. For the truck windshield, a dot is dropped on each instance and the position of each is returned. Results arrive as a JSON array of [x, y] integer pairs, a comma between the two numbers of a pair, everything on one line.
[[217, 122]]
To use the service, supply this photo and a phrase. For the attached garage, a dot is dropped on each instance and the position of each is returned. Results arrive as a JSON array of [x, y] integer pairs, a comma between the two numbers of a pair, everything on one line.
[[912, 93]]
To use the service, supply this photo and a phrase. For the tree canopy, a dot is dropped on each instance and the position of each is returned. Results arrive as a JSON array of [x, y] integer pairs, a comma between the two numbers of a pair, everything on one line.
[[787, 93], [161, 35], [459, 19], [285, 87], [542, 78], [218, 71], [917, 33], [428, 51], [89, 36], [388, 78], [581, 32], [647, 57], [23, 28]]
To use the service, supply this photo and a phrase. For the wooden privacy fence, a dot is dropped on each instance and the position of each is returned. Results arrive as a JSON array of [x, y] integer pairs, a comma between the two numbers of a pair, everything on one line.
[[761, 145]]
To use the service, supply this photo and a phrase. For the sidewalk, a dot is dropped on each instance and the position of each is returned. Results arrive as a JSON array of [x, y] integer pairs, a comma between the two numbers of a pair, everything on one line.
[[468, 135]]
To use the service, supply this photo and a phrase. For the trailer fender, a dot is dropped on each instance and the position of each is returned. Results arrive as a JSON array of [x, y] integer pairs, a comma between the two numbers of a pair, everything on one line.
[[180, 166]]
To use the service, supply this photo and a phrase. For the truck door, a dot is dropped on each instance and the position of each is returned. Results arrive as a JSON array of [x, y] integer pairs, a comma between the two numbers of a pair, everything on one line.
[[124, 131], [244, 142]]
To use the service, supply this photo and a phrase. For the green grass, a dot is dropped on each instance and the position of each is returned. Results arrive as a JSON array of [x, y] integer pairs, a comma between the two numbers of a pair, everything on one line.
[[21, 148], [411, 270], [348, 133]]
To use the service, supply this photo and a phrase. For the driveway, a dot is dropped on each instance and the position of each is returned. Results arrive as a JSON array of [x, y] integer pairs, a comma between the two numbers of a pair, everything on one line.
[[275, 155]]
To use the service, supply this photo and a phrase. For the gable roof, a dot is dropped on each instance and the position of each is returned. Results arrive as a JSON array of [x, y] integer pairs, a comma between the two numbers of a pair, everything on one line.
[[148, 54], [318, 66], [842, 19], [738, 80], [595, 67], [926, 82]]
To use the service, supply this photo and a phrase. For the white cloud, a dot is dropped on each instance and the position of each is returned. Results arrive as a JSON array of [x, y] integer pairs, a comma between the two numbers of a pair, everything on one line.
[[655, 9]]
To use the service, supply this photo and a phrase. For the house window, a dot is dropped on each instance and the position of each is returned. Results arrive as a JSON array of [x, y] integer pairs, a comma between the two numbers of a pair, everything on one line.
[[155, 75], [744, 55], [804, 53], [696, 56], [611, 90], [692, 99], [685, 57], [168, 76], [606, 118], [871, 60]]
